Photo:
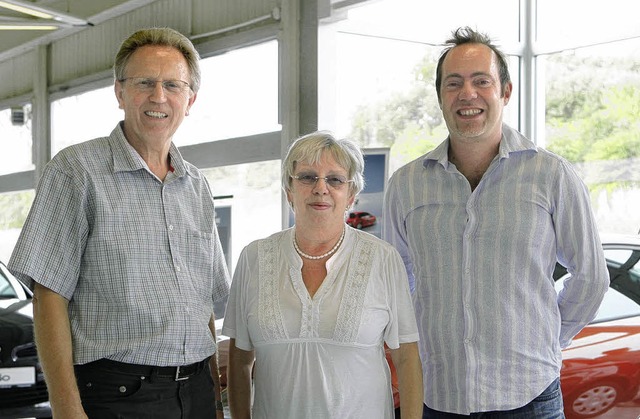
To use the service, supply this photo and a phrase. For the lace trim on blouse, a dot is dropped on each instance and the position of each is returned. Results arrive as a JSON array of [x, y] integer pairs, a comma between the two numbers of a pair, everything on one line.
[[270, 315], [349, 315], [352, 304]]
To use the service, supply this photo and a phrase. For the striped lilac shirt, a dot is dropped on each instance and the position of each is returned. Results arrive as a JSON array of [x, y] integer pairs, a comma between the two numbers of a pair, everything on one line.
[[480, 266], [138, 259]]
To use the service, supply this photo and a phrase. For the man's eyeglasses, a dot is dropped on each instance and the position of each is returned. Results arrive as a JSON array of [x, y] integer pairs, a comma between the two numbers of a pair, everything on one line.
[[148, 85], [335, 181]]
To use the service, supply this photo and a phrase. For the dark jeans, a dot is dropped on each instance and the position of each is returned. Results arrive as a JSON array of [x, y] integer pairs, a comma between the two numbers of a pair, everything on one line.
[[547, 405], [109, 392]]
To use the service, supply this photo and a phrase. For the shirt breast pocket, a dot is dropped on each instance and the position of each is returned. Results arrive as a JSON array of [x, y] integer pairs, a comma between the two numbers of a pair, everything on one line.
[[199, 257]]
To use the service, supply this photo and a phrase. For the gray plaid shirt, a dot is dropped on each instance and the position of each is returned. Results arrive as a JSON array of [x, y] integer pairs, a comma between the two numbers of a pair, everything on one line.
[[138, 259]]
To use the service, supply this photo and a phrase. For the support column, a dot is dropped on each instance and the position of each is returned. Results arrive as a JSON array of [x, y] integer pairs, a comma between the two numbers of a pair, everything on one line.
[[41, 111]]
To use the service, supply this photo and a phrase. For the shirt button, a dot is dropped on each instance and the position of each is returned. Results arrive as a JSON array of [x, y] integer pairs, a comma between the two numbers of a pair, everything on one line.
[[170, 227], [178, 268], [122, 389]]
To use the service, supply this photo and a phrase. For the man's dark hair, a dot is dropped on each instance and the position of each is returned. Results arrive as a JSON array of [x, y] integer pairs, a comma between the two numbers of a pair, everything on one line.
[[466, 35]]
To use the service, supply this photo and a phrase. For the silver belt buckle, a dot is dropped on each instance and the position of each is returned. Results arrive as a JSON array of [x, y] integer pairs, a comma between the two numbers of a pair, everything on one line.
[[178, 378]]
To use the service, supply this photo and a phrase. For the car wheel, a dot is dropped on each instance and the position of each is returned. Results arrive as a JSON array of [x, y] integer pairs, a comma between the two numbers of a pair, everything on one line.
[[593, 401], [359, 226]]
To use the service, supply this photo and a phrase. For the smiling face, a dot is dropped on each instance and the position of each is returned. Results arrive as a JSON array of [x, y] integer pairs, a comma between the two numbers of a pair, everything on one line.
[[320, 205], [152, 116], [472, 102]]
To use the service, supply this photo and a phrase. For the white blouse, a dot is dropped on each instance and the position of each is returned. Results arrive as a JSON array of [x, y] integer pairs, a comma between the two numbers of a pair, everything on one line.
[[321, 357]]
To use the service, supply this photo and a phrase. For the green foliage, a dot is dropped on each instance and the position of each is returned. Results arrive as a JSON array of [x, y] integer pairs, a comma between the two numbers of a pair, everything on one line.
[[592, 111], [409, 122], [608, 131], [15, 208], [592, 108]]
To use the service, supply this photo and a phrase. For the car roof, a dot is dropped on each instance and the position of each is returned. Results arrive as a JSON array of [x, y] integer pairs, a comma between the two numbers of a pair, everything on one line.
[[632, 240]]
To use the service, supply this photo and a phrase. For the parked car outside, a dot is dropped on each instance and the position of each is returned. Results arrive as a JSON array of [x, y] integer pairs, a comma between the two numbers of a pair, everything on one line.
[[600, 374], [23, 392], [361, 219]]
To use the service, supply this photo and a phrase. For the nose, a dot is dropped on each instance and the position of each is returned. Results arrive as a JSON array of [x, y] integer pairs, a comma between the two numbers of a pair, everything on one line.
[[158, 94], [321, 187], [468, 91]]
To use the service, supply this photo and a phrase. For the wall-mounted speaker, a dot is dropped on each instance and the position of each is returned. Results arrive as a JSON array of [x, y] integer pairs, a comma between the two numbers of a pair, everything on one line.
[[17, 116]]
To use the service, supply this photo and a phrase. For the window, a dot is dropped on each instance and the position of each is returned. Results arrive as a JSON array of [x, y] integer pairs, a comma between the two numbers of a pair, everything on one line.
[[573, 21], [15, 145], [592, 118], [622, 300], [80, 118], [14, 208], [252, 192], [377, 70], [238, 96]]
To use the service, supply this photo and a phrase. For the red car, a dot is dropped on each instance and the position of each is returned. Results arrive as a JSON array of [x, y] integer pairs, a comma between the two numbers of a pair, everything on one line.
[[600, 374], [361, 219]]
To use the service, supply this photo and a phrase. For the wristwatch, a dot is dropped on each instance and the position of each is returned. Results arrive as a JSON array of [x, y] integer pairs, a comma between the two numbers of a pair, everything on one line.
[[219, 405]]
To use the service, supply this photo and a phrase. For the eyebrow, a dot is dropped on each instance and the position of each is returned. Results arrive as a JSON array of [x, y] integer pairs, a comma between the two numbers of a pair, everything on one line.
[[315, 173], [475, 74]]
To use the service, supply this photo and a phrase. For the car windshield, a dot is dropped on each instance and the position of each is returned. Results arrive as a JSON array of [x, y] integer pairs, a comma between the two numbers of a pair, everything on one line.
[[6, 289], [622, 300]]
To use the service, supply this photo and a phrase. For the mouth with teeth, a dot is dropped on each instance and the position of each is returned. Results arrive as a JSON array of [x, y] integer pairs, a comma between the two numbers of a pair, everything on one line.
[[470, 112], [159, 115]]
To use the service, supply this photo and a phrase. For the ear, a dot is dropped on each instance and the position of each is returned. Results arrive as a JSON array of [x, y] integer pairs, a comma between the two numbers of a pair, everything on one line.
[[118, 88], [190, 103], [507, 93], [350, 202], [289, 198]]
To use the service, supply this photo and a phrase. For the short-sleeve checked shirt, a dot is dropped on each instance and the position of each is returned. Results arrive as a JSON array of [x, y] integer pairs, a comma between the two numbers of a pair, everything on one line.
[[139, 259]]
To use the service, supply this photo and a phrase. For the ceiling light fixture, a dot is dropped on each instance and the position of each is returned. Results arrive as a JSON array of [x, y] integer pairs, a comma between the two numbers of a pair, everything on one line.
[[25, 10], [42, 13], [23, 27]]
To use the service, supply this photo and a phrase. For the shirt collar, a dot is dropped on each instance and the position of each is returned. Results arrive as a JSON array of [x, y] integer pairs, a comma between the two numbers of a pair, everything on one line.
[[512, 142], [127, 159]]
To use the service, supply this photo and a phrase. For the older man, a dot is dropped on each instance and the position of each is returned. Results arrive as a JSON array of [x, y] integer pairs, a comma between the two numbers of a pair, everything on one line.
[[122, 251]]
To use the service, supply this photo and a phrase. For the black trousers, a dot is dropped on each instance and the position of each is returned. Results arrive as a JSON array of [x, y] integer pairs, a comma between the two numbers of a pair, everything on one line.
[[113, 390]]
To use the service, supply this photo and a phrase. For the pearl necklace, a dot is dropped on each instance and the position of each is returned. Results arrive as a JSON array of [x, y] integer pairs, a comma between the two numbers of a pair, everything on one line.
[[322, 256]]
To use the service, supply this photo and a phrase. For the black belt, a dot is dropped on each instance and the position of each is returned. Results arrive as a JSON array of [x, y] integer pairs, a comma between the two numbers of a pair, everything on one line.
[[182, 372]]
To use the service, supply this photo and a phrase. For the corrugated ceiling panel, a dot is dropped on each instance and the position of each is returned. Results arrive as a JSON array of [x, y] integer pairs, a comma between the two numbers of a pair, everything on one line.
[[209, 16], [92, 51], [17, 70]]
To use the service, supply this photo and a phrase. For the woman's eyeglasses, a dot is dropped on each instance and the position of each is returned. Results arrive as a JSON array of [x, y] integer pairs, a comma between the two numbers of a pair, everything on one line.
[[147, 85], [335, 181]]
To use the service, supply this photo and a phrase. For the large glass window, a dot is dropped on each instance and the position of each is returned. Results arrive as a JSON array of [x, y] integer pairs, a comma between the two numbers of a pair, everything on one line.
[[15, 140], [377, 70], [585, 22], [82, 117], [593, 119], [14, 208], [251, 194], [238, 96]]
